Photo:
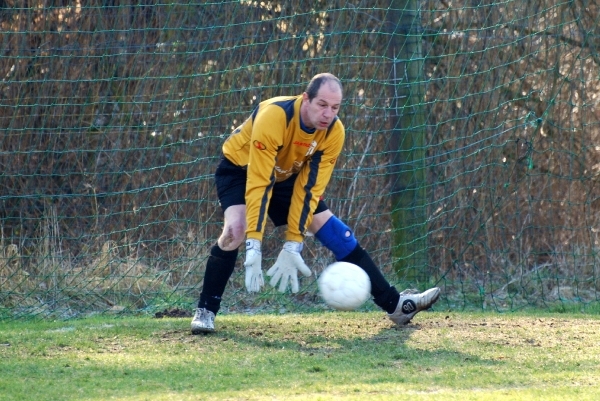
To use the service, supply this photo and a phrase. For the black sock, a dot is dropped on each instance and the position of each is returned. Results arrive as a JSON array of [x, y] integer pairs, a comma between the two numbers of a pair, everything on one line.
[[385, 295], [219, 267]]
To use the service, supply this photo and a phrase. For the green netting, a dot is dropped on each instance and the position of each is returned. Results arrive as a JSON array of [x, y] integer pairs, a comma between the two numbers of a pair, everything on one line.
[[470, 163]]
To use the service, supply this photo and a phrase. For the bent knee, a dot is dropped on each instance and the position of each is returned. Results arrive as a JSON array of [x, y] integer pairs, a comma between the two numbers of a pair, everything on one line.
[[337, 237], [232, 237]]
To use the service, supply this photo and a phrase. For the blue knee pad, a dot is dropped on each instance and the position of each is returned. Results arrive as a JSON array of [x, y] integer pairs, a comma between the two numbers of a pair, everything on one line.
[[337, 237]]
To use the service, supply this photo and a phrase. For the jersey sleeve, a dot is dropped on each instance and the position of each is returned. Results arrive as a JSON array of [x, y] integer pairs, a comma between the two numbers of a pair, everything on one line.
[[311, 183], [264, 146]]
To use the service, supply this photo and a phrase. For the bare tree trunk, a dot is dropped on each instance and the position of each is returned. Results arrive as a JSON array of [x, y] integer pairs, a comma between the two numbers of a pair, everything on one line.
[[407, 173]]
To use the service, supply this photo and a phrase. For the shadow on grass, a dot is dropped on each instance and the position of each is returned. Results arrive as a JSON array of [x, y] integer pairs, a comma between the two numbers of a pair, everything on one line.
[[248, 354]]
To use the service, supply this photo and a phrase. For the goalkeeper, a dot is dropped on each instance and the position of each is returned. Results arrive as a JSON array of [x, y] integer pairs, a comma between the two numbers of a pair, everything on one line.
[[278, 164]]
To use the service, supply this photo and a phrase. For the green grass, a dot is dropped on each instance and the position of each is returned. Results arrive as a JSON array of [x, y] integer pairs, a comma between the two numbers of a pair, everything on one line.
[[321, 356]]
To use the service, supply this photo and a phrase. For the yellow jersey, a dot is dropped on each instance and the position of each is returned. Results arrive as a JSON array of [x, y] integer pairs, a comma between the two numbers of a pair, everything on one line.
[[273, 145]]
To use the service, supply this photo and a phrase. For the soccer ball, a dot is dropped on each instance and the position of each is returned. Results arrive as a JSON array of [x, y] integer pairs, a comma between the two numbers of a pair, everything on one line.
[[344, 286]]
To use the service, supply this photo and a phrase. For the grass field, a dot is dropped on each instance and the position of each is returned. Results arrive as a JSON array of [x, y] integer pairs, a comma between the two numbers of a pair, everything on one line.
[[321, 356]]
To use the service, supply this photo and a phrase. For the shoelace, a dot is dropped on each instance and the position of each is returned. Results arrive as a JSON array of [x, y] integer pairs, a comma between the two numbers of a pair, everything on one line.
[[204, 316]]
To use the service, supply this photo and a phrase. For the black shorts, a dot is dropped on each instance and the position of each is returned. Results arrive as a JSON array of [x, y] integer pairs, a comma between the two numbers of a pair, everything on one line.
[[231, 190]]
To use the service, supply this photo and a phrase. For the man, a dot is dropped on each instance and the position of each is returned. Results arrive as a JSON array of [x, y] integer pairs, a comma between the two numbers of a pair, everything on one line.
[[278, 164]]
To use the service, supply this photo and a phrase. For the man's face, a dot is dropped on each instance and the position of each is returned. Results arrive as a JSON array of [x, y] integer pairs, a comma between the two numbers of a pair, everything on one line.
[[320, 112]]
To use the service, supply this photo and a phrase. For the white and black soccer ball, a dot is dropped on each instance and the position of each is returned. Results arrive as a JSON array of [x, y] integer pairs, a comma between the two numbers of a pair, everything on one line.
[[344, 286]]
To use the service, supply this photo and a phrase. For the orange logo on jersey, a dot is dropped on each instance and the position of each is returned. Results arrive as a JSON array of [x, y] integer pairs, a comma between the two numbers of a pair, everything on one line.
[[305, 144], [259, 145]]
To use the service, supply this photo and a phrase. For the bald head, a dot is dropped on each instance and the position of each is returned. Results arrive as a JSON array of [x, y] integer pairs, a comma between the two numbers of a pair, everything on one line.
[[321, 102], [319, 80]]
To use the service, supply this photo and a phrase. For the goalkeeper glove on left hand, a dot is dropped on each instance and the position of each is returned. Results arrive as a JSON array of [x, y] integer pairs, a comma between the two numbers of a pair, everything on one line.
[[286, 267]]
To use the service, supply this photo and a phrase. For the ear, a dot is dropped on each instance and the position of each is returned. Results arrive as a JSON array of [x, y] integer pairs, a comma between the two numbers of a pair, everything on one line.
[[305, 97]]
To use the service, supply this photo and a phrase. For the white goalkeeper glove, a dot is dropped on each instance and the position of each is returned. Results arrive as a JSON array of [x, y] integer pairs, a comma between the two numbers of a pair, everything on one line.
[[254, 276], [286, 267]]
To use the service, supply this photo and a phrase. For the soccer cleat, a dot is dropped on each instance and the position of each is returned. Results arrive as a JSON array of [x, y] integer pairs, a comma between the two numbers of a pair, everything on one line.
[[412, 303], [203, 322]]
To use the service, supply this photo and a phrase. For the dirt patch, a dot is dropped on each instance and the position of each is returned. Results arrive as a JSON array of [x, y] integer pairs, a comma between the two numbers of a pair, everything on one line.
[[175, 312]]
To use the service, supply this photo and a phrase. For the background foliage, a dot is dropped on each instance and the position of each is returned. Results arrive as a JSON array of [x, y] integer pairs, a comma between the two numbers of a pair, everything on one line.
[[112, 115]]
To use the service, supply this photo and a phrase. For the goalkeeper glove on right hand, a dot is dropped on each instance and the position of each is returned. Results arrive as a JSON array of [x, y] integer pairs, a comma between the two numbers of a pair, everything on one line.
[[254, 276]]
